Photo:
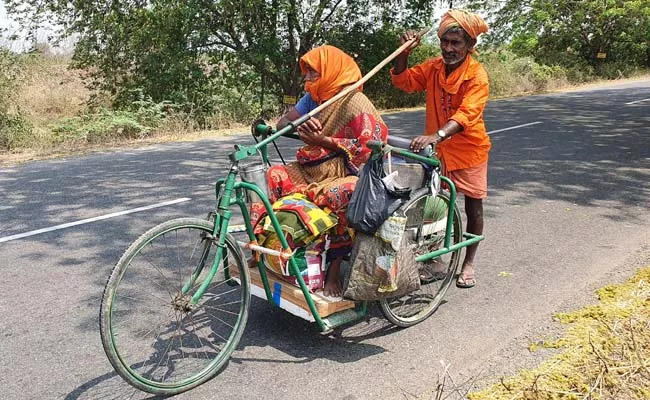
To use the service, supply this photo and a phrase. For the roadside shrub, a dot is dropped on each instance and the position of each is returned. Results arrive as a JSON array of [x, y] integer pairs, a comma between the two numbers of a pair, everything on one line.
[[513, 75], [105, 126], [15, 130], [580, 73], [549, 77], [617, 70], [111, 125]]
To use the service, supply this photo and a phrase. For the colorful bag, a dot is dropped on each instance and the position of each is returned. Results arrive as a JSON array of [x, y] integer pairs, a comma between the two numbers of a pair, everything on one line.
[[310, 261], [304, 225], [300, 218]]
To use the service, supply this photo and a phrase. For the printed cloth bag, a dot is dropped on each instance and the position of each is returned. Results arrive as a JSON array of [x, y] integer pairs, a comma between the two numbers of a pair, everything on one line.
[[382, 265]]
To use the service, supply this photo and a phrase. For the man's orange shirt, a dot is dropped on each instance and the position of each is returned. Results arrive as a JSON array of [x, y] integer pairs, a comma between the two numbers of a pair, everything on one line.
[[471, 146]]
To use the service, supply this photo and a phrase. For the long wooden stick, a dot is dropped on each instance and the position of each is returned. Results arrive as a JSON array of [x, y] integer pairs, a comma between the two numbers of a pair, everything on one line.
[[369, 74]]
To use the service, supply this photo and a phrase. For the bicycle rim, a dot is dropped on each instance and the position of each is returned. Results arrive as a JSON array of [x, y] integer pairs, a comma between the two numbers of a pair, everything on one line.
[[155, 338], [425, 230]]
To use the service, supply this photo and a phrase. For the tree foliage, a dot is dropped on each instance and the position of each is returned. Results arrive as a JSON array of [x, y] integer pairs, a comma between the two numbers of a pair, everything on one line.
[[187, 52], [238, 57], [574, 32]]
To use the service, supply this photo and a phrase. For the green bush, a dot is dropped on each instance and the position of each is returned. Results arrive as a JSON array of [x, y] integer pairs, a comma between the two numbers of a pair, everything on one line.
[[513, 75], [15, 130], [616, 70], [580, 73], [108, 125]]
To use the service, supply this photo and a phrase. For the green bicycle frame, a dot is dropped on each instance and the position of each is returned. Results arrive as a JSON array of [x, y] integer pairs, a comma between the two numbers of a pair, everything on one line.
[[229, 192], [470, 238]]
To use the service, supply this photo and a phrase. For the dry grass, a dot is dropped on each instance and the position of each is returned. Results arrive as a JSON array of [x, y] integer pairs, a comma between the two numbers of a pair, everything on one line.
[[51, 91], [183, 134], [605, 352]]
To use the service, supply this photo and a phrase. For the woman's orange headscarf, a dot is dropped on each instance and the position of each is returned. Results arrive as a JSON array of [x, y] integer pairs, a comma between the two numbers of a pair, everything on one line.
[[472, 23], [336, 70]]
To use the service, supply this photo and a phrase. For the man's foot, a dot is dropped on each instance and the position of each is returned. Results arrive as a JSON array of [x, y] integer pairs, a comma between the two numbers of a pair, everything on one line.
[[333, 280], [467, 277]]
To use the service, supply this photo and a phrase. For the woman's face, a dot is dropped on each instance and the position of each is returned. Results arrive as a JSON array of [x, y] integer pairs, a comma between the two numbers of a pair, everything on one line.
[[312, 75]]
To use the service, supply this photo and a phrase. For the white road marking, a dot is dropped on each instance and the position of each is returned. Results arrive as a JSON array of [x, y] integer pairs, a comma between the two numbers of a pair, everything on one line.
[[515, 127], [638, 101], [94, 219], [135, 210]]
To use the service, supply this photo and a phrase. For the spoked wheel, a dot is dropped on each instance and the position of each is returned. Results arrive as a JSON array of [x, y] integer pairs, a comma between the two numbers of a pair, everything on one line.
[[425, 230], [154, 336]]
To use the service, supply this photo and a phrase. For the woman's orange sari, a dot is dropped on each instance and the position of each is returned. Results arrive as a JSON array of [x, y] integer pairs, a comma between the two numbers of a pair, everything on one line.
[[328, 177]]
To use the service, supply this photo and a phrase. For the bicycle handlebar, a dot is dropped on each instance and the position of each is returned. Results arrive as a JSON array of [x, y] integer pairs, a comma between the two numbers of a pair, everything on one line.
[[267, 130], [376, 145]]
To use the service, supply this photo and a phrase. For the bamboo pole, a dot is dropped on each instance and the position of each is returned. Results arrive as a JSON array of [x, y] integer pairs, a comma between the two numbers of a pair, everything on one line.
[[370, 74]]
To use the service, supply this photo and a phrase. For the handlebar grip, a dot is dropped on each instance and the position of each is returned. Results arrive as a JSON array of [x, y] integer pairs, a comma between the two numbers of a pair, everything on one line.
[[292, 135], [267, 130], [405, 143], [263, 130]]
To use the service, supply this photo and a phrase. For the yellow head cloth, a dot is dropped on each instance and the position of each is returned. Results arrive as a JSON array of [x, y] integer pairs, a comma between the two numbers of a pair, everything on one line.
[[472, 23]]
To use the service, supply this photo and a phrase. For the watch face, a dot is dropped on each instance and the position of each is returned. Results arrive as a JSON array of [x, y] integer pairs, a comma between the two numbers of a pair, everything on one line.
[[441, 133]]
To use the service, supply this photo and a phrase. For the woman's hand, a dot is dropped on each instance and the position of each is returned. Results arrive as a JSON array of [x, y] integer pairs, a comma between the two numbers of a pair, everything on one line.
[[311, 132], [312, 125]]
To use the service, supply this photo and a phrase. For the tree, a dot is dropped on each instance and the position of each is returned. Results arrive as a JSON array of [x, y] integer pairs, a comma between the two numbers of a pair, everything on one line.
[[576, 31], [181, 51]]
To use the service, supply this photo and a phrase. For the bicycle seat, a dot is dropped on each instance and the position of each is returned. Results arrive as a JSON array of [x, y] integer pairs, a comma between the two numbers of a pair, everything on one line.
[[405, 143]]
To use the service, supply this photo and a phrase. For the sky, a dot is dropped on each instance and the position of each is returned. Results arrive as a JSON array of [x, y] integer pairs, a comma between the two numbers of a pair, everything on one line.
[[12, 28], [3, 15]]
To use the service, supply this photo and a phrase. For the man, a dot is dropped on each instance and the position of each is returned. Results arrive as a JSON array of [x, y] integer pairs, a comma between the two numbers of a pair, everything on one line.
[[457, 91]]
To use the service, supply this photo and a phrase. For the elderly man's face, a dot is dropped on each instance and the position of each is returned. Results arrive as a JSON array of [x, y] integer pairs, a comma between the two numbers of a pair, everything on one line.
[[454, 47]]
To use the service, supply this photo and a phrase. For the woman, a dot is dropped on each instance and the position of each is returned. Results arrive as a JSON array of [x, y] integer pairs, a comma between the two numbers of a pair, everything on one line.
[[327, 167]]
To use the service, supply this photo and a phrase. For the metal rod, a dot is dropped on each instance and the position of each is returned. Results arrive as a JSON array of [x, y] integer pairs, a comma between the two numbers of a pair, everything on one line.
[[470, 241]]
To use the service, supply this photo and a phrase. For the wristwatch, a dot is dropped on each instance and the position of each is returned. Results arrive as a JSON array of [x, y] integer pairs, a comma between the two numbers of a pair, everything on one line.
[[441, 134]]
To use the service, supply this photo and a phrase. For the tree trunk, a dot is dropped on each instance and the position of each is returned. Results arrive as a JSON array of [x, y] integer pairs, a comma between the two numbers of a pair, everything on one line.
[[290, 87]]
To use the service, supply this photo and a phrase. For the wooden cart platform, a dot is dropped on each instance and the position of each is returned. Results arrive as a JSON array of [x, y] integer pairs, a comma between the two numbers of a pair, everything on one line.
[[290, 298]]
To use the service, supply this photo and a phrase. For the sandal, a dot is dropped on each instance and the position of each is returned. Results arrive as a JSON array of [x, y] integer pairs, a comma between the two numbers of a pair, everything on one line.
[[465, 283]]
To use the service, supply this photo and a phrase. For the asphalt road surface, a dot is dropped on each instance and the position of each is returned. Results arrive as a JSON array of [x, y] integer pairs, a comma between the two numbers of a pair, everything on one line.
[[568, 210]]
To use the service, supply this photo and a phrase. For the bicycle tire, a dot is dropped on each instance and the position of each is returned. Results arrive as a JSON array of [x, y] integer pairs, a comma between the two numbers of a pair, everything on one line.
[[151, 272], [426, 234]]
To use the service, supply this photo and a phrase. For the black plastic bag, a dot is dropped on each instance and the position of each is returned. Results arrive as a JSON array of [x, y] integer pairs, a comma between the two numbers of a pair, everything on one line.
[[372, 201]]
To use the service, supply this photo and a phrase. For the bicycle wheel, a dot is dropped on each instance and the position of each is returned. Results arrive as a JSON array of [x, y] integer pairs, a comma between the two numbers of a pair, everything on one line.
[[153, 336], [425, 230]]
